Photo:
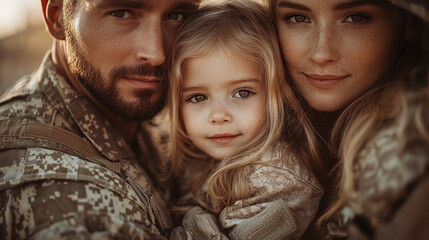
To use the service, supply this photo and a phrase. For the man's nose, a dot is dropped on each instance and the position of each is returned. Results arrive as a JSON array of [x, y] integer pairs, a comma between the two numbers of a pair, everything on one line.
[[150, 42], [325, 48]]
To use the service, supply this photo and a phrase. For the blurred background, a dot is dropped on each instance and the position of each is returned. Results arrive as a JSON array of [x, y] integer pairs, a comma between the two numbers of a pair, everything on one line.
[[23, 39]]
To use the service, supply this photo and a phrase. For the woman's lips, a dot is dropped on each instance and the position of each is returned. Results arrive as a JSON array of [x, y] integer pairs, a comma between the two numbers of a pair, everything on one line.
[[223, 139], [325, 81]]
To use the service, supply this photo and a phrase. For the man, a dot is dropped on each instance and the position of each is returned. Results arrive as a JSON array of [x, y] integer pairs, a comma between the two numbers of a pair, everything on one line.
[[74, 158]]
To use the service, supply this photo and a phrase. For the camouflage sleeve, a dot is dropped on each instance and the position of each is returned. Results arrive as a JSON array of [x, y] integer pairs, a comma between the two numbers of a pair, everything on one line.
[[411, 220], [281, 206], [55, 209], [48, 194]]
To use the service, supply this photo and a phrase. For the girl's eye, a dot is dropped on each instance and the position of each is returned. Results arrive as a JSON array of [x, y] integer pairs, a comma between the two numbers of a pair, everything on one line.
[[356, 18], [243, 93], [297, 19], [121, 14], [197, 98], [176, 16]]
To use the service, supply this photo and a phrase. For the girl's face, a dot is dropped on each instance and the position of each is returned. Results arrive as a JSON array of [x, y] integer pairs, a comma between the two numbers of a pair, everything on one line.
[[336, 50], [223, 103]]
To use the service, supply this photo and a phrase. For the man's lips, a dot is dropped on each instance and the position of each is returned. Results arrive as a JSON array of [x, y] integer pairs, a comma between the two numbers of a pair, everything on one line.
[[325, 81], [146, 82], [223, 139]]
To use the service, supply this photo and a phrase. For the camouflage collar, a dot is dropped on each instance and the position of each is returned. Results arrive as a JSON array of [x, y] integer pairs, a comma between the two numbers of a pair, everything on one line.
[[85, 114]]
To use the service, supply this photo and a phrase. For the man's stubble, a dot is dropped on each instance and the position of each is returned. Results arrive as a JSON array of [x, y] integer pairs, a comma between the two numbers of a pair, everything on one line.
[[106, 92]]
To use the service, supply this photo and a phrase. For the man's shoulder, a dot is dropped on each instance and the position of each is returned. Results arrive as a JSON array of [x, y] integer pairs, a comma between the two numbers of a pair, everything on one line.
[[25, 165], [30, 98]]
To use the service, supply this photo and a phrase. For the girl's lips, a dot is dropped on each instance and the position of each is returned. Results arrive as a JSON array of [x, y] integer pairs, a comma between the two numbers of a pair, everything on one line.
[[222, 139], [325, 81]]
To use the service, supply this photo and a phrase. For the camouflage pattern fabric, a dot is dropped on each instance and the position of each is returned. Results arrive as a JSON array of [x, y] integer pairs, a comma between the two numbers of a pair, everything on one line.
[[284, 197], [387, 170], [48, 191]]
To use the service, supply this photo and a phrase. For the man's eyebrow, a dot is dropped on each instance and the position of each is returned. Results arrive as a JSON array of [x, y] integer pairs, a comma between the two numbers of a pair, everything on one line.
[[356, 3], [293, 5], [187, 5], [122, 3], [142, 4]]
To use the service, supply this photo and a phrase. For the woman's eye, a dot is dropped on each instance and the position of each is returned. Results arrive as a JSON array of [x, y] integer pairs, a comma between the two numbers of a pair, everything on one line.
[[356, 18], [197, 98], [121, 14], [243, 93], [176, 16], [297, 19]]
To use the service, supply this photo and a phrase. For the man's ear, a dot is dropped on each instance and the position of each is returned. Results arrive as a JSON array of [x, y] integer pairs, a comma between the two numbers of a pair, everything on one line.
[[52, 12]]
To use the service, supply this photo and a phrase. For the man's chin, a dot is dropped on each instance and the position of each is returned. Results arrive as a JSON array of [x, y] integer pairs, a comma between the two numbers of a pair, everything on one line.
[[138, 110]]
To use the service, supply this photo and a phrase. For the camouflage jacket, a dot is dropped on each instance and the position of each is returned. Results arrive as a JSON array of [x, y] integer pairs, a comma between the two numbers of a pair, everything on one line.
[[391, 185], [50, 190], [284, 197]]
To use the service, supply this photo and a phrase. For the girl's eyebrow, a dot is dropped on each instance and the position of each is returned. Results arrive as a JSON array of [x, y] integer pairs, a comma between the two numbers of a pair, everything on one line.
[[191, 89], [231, 83]]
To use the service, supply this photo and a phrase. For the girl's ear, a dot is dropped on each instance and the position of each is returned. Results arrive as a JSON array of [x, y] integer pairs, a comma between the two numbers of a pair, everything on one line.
[[52, 13]]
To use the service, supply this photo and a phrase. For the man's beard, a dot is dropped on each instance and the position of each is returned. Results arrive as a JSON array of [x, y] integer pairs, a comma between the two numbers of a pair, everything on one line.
[[106, 92]]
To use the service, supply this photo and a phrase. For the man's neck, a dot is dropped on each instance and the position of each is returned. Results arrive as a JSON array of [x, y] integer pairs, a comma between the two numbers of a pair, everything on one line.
[[126, 128]]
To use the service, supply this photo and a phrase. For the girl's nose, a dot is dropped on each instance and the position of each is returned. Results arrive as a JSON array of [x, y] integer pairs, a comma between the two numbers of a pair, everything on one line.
[[220, 115]]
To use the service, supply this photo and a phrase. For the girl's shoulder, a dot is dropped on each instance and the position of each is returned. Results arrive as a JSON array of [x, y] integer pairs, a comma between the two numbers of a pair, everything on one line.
[[282, 168]]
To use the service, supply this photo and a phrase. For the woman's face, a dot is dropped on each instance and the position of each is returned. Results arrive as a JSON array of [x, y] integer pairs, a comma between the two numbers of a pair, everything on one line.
[[336, 50]]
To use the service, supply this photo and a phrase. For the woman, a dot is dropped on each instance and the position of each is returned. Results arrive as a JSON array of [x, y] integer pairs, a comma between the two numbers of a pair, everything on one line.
[[361, 68]]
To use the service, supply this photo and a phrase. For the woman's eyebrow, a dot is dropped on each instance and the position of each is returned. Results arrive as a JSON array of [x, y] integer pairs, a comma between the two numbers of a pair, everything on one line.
[[356, 3], [288, 4], [340, 6]]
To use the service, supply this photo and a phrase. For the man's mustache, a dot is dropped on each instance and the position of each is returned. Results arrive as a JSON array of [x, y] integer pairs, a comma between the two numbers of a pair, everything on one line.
[[139, 70]]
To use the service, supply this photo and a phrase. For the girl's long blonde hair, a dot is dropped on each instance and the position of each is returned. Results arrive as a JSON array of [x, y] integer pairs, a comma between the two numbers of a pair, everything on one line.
[[388, 102], [238, 28]]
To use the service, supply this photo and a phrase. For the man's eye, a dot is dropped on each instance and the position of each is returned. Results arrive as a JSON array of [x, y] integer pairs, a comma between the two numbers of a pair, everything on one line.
[[197, 98], [243, 93], [176, 16], [121, 14]]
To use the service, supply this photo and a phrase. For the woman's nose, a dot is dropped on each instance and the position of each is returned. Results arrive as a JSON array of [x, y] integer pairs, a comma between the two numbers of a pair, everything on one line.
[[325, 46]]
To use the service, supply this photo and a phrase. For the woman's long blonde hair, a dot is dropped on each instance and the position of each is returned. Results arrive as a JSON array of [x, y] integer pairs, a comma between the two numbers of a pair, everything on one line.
[[238, 28], [388, 102]]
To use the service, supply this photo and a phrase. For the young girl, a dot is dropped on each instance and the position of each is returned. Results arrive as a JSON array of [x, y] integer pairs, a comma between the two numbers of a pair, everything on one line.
[[364, 64], [239, 139]]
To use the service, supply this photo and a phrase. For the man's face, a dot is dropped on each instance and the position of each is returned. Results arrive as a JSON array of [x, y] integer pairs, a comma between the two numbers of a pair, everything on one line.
[[117, 49]]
